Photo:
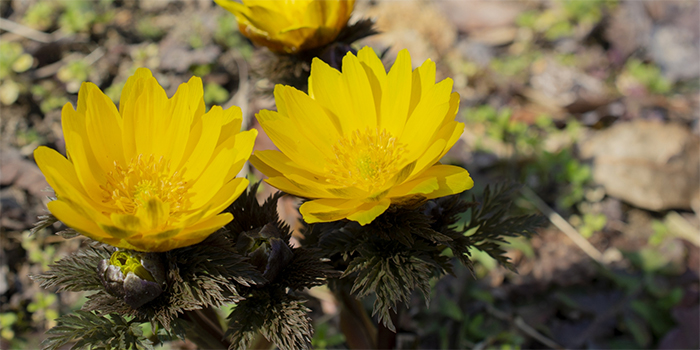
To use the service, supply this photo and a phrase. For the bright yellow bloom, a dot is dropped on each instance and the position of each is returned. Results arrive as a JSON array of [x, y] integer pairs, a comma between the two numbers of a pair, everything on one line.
[[363, 139], [151, 176], [290, 26]]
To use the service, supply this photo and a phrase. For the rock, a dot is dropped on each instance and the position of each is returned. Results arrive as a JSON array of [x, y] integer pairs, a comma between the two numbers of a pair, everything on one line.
[[648, 164], [21, 173], [476, 52], [495, 36], [557, 86], [675, 50], [630, 28], [179, 57], [414, 25], [666, 31], [479, 14]]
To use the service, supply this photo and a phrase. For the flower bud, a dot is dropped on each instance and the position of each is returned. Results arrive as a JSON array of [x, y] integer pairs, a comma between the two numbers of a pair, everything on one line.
[[135, 277], [267, 250]]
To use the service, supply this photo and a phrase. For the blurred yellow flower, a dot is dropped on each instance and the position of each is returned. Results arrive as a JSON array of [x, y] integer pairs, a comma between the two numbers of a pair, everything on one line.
[[290, 26], [151, 176], [363, 139]]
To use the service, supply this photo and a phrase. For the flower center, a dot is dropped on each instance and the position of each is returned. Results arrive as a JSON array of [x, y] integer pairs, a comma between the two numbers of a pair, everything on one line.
[[130, 187], [365, 159]]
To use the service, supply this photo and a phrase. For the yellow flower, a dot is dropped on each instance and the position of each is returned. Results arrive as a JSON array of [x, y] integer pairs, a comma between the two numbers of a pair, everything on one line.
[[363, 139], [289, 26], [151, 176]]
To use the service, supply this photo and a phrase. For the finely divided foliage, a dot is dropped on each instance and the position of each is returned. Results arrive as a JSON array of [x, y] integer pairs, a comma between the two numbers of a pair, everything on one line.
[[91, 331], [153, 185], [403, 249], [273, 308], [76, 272], [490, 218]]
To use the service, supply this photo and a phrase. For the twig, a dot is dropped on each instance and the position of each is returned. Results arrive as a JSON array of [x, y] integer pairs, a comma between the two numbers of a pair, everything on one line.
[[240, 98], [519, 323], [27, 32], [94, 56], [682, 228], [51, 69], [611, 312], [564, 226]]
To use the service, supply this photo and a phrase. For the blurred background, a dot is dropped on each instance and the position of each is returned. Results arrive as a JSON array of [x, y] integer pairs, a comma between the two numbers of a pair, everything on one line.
[[592, 105]]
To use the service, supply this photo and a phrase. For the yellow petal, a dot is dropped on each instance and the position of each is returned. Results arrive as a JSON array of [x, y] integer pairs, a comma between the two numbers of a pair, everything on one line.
[[243, 144], [376, 75], [451, 181], [88, 171], [59, 172], [283, 184], [203, 139], [231, 123], [236, 8], [78, 149], [290, 26], [161, 241], [360, 92], [74, 219], [323, 189], [197, 233], [153, 214], [73, 121], [132, 87], [152, 176], [104, 129], [453, 138], [172, 142], [77, 221], [284, 133], [427, 159], [321, 129], [327, 87], [219, 170], [422, 127], [427, 75], [454, 106], [224, 197], [270, 21], [150, 111], [369, 211], [300, 186], [419, 185], [299, 38], [275, 163], [327, 210], [127, 222], [395, 102]]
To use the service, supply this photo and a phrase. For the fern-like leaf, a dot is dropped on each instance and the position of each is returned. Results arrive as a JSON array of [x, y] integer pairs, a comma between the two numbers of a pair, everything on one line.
[[77, 272], [88, 330]]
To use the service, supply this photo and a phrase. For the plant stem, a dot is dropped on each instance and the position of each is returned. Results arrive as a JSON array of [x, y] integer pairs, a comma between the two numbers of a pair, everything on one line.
[[386, 338], [205, 329], [355, 324]]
